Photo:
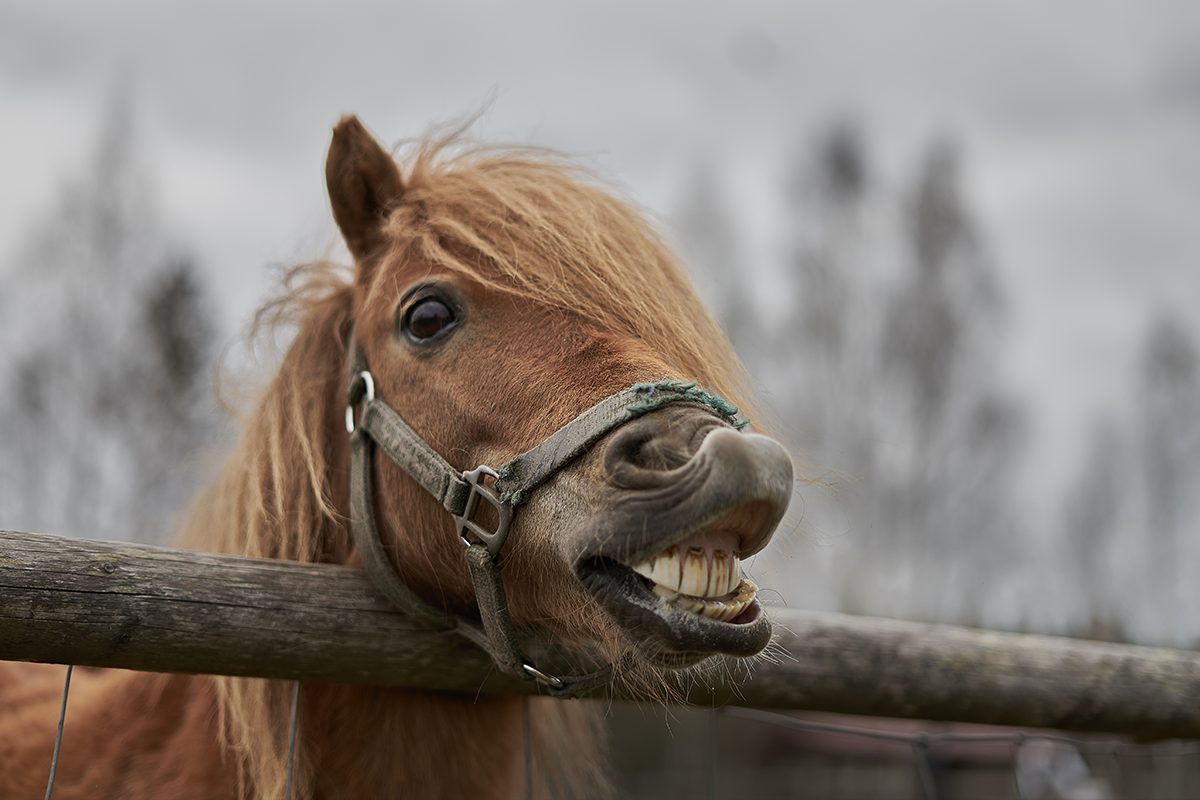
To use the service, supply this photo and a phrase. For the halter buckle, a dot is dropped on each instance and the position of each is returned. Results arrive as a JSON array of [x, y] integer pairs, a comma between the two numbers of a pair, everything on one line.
[[504, 511]]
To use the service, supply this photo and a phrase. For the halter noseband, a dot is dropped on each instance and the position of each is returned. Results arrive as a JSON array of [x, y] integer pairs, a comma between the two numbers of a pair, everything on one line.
[[461, 492]]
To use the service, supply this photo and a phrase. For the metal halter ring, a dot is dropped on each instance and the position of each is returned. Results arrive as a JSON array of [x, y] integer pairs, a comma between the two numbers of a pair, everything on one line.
[[368, 396], [542, 677]]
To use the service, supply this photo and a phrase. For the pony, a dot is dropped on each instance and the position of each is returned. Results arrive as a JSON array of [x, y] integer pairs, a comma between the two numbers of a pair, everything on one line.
[[497, 294]]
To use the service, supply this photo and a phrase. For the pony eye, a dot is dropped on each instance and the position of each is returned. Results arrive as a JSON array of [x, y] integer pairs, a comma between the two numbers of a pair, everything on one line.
[[427, 319]]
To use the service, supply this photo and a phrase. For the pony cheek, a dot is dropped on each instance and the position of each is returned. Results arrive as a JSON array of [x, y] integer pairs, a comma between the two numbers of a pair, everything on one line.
[[420, 541], [542, 587]]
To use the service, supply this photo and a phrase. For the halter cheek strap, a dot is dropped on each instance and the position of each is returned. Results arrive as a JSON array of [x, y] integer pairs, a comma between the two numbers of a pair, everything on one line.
[[461, 492]]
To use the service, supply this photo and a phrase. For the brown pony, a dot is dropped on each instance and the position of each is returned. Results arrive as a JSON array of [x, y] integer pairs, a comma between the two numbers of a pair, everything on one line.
[[496, 295]]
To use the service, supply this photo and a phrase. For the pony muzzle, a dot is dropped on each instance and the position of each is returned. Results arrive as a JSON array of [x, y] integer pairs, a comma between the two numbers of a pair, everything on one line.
[[665, 563]]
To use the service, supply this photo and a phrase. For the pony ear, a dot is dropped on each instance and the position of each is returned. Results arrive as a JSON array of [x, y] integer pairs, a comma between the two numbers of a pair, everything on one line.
[[363, 181]]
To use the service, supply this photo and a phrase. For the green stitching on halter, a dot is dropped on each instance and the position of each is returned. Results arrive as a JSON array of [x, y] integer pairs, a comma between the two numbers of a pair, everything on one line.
[[526, 472], [664, 392]]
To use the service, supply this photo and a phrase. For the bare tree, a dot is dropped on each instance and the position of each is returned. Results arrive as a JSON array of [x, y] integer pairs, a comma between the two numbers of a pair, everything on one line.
[[948, 494], [828, 195], [709, 240], [110, 337], [1094, 512], [895, 334], [827, 340], [1170, 445]]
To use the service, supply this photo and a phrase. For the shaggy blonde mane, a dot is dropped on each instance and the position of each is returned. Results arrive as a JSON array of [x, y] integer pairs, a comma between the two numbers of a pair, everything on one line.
[[547, 231]]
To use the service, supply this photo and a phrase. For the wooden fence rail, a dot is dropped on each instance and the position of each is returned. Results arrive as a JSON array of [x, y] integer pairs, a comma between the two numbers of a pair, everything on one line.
[[114, 604]]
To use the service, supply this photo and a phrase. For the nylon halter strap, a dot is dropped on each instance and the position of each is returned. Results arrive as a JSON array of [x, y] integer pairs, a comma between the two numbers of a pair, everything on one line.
[[461, 492]]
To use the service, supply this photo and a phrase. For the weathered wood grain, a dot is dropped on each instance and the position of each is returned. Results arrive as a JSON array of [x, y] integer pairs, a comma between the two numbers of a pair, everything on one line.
[[885, 667], [110, 604], [114, 604]]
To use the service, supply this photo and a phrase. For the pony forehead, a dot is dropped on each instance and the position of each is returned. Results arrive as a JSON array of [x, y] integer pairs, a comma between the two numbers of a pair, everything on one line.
[[527, 221], [533, 216]]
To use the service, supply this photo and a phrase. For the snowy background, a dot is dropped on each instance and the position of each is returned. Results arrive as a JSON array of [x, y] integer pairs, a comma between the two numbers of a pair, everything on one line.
[[1000, 200]]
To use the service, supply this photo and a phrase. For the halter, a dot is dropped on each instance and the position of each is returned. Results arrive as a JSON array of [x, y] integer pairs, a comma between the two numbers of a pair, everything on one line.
[[461, 492]]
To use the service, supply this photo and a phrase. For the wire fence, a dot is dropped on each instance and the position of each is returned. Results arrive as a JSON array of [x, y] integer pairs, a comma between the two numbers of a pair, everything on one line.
[[1037, 765], [1044, 764], [736, 751]]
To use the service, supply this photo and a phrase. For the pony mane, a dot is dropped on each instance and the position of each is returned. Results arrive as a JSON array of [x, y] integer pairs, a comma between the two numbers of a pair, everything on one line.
[[275, 498], [549, 232]]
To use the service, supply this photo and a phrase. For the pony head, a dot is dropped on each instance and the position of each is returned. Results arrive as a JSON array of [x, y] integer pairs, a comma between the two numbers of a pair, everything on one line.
[[495, 297]]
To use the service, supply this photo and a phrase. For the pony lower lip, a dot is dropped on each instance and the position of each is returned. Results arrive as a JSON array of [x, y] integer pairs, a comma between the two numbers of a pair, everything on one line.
[[670, 629]]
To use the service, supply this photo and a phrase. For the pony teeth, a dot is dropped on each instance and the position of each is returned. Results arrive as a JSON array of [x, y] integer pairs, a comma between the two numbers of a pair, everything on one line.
[[721, 610], [665, 570], [697, 573], [709, 584], [694, 577]]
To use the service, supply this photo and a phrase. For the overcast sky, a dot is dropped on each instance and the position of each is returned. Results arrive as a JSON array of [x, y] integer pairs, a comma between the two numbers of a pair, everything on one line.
[[1079, 124]]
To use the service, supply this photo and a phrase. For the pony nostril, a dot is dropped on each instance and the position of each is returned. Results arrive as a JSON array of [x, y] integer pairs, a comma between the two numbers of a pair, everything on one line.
[[626, 447], [647, 448], [662, 454], [625, 453]]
